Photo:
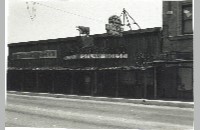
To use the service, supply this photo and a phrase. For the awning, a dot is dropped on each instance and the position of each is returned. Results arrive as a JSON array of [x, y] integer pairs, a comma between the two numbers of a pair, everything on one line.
[[86, 68]]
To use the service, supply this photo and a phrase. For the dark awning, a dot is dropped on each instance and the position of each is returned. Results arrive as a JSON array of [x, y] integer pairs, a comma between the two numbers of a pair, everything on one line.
[[85, 68]]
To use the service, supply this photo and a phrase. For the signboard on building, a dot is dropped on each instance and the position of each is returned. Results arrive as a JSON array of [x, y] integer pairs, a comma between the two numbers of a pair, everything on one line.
[[96, 56], [35, 54]]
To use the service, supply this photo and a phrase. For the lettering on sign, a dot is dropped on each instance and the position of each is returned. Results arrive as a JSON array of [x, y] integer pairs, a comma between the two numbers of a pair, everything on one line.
[[95, 56], [35, 54]]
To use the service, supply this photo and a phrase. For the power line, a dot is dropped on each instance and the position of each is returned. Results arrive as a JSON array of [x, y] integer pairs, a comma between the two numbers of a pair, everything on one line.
[[68, 12]]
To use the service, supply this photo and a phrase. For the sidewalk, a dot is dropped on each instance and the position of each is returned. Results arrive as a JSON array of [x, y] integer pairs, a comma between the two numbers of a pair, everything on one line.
[[123, 100]]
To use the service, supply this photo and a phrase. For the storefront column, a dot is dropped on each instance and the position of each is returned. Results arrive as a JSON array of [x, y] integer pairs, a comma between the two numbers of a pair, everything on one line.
[[155, 83], [37, 81], [72, 83], [117, 84], [22, 83], [103, 92], [53, 82], [145, 84], [94, 87]]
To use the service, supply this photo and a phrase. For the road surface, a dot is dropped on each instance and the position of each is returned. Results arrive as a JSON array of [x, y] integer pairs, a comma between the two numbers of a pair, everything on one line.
[[50, 112]]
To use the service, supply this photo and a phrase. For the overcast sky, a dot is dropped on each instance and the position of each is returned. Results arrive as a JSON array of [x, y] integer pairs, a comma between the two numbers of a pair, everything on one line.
[[58, 18]]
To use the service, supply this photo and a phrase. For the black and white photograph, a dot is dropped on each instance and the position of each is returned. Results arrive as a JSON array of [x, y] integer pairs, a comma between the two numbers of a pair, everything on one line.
[[99, 64]]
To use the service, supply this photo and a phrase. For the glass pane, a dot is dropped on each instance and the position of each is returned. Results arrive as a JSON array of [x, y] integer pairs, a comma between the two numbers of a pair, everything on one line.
[[187, 12], [187, 26], [185, 79]]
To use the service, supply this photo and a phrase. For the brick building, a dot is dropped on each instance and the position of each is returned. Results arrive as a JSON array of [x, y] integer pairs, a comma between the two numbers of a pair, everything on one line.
[[177, 27], [175, 68]]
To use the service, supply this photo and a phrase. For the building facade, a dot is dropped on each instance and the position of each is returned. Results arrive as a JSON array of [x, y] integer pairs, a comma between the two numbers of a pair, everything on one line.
[[176, 59], [149, 63], [98, 65]]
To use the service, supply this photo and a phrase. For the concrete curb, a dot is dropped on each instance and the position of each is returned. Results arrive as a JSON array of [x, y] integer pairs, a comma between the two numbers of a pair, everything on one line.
[[123, 100]]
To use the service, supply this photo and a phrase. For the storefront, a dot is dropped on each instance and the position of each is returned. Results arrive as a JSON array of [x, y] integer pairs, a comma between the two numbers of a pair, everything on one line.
[[175, 79], [97, 65]]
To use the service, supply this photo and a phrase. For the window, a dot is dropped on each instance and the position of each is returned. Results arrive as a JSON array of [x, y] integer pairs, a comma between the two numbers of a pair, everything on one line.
[[187, 19], [185, 79]]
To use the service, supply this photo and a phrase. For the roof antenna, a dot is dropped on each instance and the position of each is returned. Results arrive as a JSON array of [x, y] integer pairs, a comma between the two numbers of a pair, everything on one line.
[[126, 17]]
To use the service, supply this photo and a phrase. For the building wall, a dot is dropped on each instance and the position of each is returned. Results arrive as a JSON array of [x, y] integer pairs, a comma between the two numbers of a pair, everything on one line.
[[174, 38], [31, 72], [144, 43], [177, 46]]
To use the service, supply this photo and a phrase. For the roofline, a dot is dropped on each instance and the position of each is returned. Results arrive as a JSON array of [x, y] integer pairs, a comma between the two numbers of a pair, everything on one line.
[[139, 31]]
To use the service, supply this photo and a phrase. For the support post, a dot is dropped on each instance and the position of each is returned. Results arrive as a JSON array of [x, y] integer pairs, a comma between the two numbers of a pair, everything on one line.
[[53, 82], [94, 88], [37, 81], [104, 84], [155, 83], [22, 83], [117, 84], [145, 85], [72, 83]]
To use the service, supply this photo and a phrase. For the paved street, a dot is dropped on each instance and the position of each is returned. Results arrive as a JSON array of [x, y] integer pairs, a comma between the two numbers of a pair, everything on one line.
[[27, 111]]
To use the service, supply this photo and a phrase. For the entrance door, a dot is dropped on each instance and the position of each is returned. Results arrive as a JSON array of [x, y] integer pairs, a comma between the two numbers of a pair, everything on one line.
[[83, 82], [167, 82]]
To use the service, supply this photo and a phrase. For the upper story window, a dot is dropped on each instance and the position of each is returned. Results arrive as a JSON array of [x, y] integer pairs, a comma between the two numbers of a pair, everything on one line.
[[187, 19]]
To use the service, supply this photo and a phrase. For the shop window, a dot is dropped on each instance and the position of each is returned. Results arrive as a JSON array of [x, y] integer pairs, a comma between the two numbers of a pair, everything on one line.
[[185, 79], [187, 19]]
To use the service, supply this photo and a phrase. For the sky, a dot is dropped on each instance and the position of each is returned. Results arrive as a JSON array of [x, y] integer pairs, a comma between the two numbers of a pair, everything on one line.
[[59, 18]]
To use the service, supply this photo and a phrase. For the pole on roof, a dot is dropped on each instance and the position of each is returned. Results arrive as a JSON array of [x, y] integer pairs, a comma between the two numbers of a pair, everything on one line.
[[126, 15]]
